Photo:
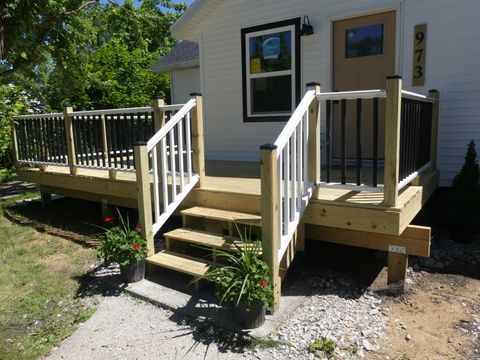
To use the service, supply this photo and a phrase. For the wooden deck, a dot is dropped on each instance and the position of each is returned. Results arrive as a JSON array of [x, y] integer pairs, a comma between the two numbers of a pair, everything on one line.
[[331, 206]]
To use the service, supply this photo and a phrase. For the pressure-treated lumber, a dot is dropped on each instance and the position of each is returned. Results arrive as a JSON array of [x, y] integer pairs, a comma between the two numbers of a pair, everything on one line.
[[434, 94], [144, 196], [15, 147], [313, 142], [397, 267], [198, 159], [270, 219], [223, 215], [206, 239], [177, 262], [415, 239], [392, 140], [72, 159]]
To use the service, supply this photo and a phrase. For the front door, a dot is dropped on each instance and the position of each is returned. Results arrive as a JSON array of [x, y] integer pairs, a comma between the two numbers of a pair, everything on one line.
[[363, 56]]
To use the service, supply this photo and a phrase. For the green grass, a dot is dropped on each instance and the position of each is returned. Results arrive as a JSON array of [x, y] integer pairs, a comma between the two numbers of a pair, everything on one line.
[[39, 281], [327, 346]]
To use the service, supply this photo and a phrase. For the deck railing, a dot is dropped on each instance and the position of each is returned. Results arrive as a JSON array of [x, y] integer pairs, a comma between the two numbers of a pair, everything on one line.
[[97, 139], [353, 101], [289, 171], [168, 166]]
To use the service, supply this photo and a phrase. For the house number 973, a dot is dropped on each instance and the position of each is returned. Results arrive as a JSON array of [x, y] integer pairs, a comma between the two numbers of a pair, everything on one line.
[[419, 53]]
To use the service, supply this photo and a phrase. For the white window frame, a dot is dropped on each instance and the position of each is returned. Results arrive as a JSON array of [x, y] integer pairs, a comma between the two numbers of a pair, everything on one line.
[[291, 72]]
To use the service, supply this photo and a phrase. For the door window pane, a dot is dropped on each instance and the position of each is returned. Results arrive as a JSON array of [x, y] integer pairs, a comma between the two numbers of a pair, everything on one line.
[[364, 41], [271, 94], [270, 52]]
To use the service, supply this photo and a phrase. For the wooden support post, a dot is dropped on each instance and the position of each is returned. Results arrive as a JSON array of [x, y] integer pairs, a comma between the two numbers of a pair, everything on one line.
[[15, 154], [72, 160], [270, 217], [144, 195], [106, 208], [198, 147], [313, 142], [434, 94], [46, 198], [397, 267], [392, 140], [158, 113], [300, 234]]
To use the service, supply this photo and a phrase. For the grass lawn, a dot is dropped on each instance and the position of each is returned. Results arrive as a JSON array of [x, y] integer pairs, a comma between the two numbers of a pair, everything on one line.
[[40, 277]]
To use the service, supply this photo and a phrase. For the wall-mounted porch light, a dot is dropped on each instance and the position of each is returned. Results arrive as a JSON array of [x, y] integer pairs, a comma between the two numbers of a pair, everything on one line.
[[307, 29]]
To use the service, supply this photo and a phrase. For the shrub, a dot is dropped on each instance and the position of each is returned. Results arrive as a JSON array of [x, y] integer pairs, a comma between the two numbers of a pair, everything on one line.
[[463, 200]]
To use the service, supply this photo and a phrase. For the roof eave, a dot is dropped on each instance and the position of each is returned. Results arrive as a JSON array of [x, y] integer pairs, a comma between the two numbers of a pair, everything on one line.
[[175, 66], [191, 18]]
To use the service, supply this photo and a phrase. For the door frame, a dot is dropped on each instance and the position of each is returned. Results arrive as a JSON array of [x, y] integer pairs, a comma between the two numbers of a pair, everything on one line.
[[396, 6]]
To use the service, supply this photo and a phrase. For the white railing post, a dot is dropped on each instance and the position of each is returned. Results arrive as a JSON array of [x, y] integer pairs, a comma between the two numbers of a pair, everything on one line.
[[392, 140], [313, 140], [270, 208], [144, 195]]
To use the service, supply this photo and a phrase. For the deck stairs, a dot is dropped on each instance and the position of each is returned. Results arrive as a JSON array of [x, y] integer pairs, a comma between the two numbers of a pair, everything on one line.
[[193, 248]]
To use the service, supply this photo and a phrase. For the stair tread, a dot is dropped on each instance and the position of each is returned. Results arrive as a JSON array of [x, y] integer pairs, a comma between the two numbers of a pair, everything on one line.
[[178, 262], [223, 215], [199, 237]]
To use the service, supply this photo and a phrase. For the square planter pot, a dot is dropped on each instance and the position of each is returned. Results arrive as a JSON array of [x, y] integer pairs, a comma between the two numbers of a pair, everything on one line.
[[133, 272], [249, 319]]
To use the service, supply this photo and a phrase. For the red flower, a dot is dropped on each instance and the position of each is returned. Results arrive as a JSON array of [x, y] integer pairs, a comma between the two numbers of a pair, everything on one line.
[[136, 247], [109, 219], [138, 228], [263, 283]]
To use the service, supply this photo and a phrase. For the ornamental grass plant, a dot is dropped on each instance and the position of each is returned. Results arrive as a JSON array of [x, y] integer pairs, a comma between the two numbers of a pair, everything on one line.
[[121, 243], [244, 277]]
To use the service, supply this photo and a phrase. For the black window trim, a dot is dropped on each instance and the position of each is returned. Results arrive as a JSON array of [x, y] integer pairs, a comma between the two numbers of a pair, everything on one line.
[[296, 22]]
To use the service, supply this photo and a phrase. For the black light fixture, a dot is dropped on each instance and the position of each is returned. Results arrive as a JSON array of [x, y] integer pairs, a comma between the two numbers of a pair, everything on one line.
[[307, 29]]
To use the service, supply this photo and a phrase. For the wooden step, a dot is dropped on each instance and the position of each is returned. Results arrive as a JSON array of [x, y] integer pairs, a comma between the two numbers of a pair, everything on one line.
[[179, 262], [203, 238], [223, 215]]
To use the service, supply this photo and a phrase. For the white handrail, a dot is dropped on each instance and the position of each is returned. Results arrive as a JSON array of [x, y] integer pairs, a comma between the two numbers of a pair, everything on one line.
[[414, 96], [292, 160], [173, 177], [294, 120], [349, 95], [170, 124]]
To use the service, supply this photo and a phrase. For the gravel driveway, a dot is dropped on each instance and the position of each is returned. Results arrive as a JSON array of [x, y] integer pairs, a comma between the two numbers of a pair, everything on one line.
[[127, 328]]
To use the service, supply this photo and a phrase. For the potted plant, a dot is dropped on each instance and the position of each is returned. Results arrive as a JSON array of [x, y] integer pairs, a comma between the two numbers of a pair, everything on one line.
[[124, 245], [243, 281]]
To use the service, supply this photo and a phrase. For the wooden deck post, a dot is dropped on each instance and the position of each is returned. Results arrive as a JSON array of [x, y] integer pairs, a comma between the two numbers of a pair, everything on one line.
[[270, 217], [313, 141], [397, 267], [72, 160], [434, 94], [392, 140], [15, 146], [198, 147], [144, 195], [158, 113]]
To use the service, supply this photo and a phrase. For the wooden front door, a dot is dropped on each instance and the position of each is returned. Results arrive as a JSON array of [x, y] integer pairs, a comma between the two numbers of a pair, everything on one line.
[[363, 56]]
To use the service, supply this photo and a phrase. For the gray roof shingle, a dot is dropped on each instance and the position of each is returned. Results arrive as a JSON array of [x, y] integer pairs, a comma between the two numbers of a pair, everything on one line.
[[183, 56]]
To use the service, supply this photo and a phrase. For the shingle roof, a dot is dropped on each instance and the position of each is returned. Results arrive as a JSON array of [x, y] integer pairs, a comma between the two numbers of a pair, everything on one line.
[[184, 55]]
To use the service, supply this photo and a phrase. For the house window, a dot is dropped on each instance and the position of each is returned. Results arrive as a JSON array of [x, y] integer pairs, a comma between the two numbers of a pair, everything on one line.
[[271, 71], [364, 41]]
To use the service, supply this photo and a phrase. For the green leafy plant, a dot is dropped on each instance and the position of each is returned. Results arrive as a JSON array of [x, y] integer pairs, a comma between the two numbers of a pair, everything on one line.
[[463, 199], [327, 346], [244, 277], [121, 243]]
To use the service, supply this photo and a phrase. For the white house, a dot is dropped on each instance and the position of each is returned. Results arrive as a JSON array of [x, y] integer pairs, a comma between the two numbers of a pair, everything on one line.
[[246, 105]]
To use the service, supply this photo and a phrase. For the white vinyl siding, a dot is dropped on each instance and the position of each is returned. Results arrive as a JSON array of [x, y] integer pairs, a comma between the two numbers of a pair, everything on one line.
[[452, 67], [183, 83]]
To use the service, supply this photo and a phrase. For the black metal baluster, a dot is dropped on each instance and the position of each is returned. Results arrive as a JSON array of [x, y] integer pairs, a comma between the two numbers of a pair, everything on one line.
[[97, 141], [344, 140], [113, 123], [375, 143], [120, 133], [328, 134], [359, 140]]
